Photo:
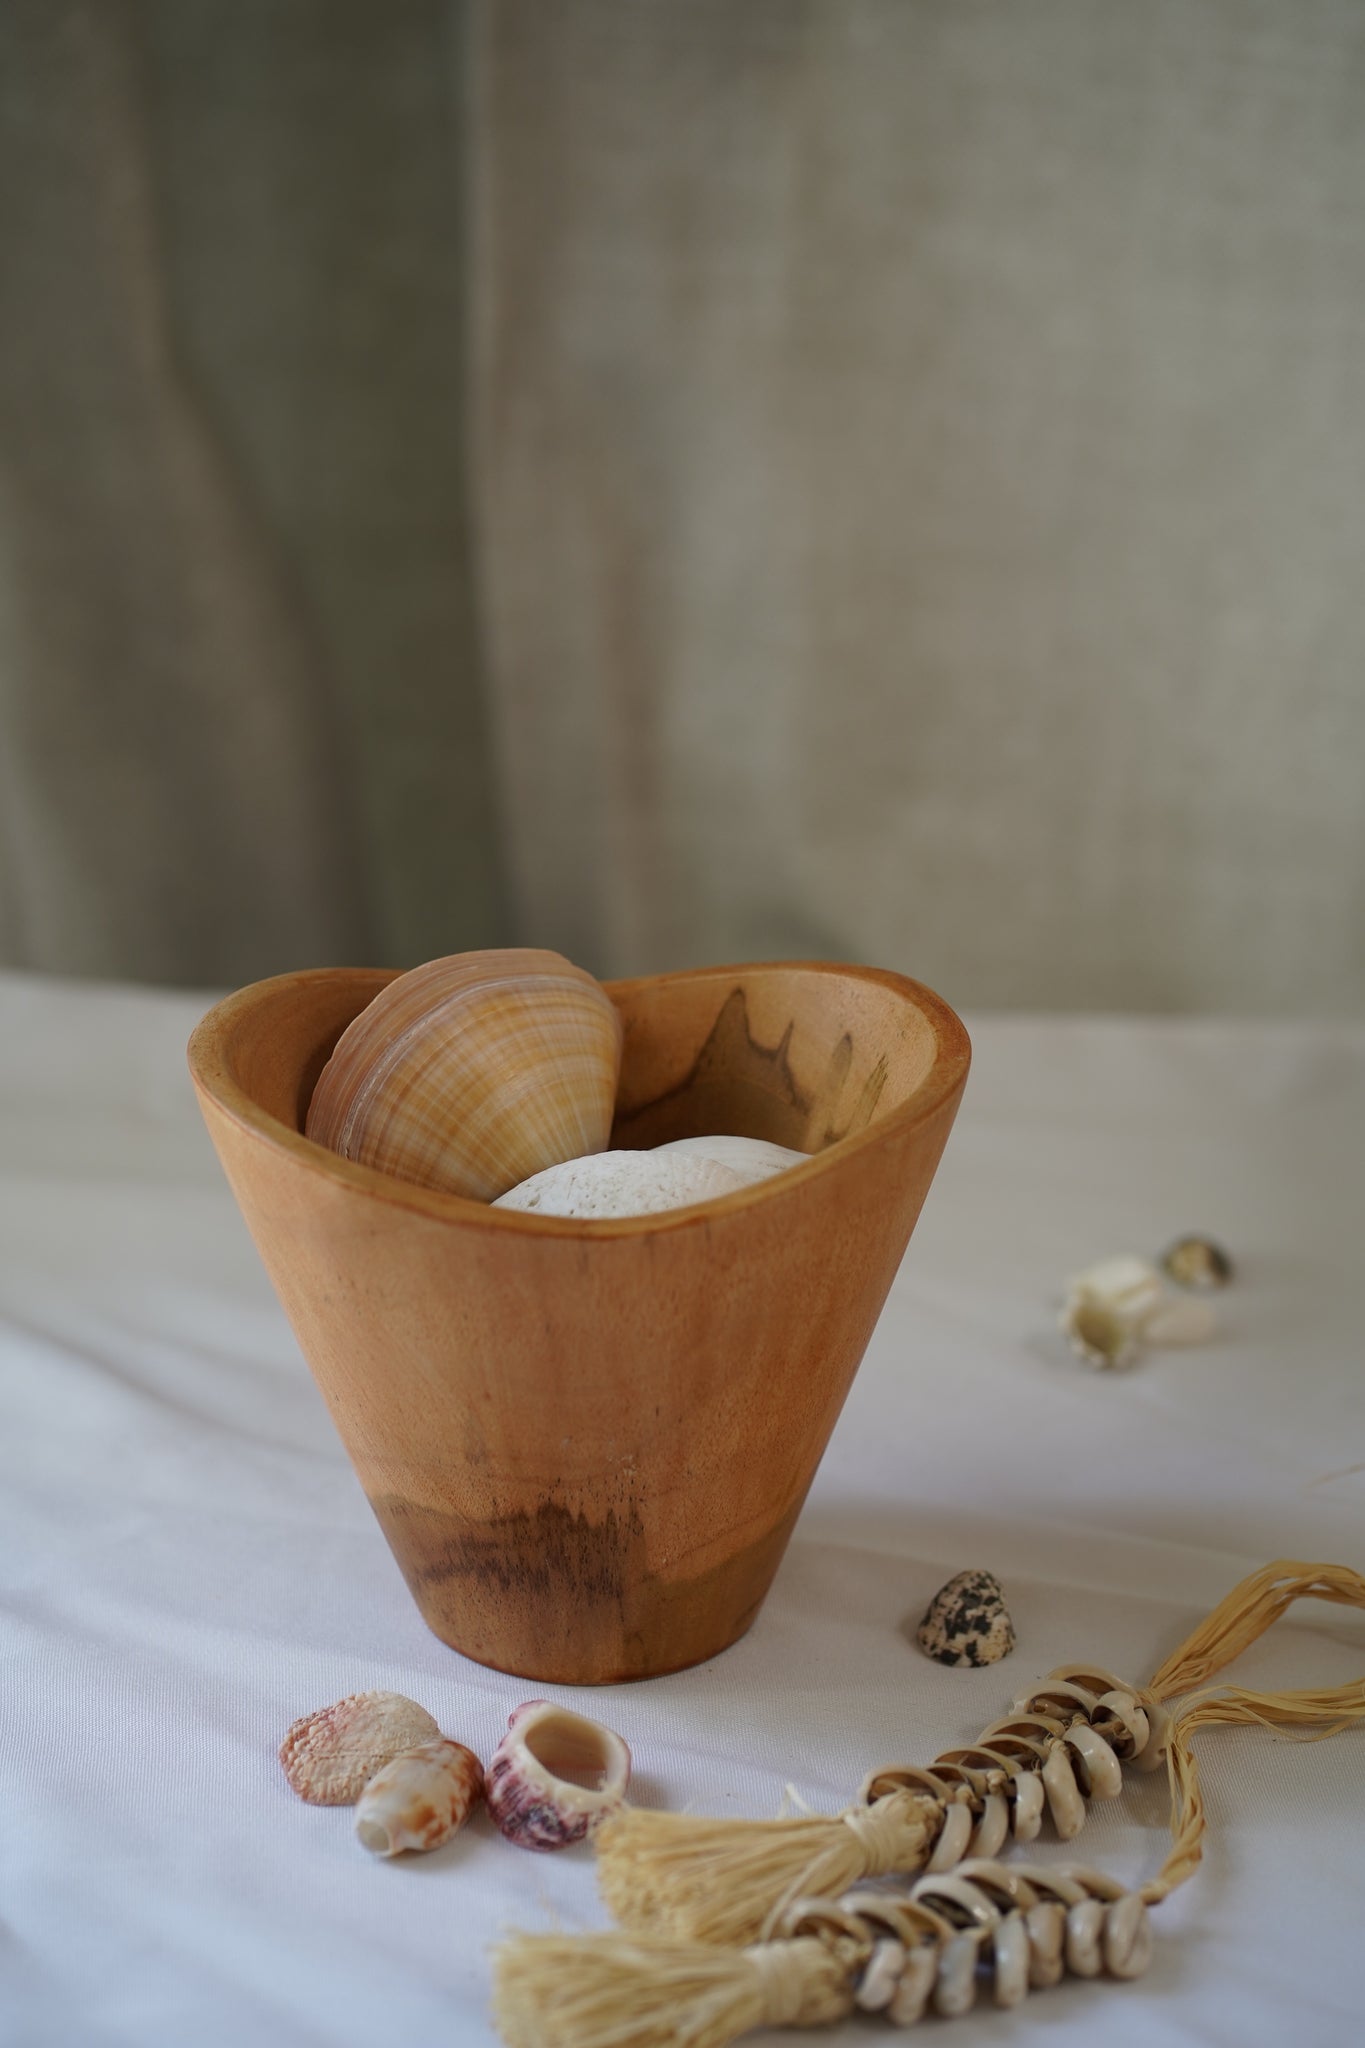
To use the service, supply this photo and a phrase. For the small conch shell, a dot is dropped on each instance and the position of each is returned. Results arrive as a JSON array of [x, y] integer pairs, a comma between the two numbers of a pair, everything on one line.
[[420, 1799], [473, 1072], [554, 1776], [329, 1757], [1108, 1307]]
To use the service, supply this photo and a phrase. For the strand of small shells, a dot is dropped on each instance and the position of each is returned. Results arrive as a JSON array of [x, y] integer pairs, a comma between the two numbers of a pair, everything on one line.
[[553, 1778], [1029, 1924], [837, 1950], [1062, 1745], [1021, 1926]]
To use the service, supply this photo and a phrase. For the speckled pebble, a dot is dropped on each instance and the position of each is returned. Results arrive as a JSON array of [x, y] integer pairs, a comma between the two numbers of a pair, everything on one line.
[[967, 1622]]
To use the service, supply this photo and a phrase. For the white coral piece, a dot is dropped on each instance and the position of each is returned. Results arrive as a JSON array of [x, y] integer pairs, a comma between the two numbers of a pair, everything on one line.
[[622, 1184]]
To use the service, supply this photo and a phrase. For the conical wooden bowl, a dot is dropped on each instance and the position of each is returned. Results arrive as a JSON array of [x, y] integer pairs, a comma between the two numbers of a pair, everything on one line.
[[587, 1442]]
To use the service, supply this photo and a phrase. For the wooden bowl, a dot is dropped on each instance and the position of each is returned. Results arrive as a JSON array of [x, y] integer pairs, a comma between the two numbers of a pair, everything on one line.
[[587, 1442]]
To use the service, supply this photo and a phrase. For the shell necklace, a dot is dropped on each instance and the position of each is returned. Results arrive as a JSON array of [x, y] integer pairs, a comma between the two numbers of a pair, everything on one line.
[[818, 1949]]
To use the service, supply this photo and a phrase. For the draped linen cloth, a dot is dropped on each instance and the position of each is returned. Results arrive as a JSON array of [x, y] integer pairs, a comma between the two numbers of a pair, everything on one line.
[[187, 1561], [865, 478]]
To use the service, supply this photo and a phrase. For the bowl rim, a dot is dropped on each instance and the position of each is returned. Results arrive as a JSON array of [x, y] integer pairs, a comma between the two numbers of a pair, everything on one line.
[[214, 1082]]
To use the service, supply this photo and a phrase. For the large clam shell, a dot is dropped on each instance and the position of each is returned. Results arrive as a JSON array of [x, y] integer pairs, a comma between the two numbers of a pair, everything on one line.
[[473, 1072]]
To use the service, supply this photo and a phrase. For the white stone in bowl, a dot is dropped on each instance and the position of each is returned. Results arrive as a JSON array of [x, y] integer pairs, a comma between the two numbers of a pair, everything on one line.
[[754, 1158], [622, 1184]]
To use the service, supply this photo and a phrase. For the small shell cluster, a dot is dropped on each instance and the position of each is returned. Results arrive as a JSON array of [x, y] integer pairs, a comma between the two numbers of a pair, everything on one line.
[[1019, 1927], [1061, 1746], [386, 1756], [1115, 1307], [967, 1622], [554, 1775]]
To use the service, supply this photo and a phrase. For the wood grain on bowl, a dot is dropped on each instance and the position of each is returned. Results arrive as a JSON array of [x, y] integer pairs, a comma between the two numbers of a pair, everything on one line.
[[587, 1441]]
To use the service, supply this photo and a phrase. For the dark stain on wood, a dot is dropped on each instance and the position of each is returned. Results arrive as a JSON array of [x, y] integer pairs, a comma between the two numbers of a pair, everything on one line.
[[734, 1085], [864, 1108], [582, 1594], [739, 1086]]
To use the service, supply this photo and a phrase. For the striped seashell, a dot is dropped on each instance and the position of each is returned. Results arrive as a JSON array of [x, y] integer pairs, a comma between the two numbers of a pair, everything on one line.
[[473, 1072], [420, 1799], [330, 1757], [554, 1776]]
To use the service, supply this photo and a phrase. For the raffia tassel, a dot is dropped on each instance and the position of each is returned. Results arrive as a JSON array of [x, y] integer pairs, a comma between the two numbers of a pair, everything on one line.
[[1254, 1605], [615, 1991], [731, 1880], [1316, 1712]]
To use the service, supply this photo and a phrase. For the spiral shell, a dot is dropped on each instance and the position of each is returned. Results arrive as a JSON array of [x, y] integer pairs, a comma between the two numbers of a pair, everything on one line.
[[420, 1799], [554, 1776], [329, 1757], [473, 1072]]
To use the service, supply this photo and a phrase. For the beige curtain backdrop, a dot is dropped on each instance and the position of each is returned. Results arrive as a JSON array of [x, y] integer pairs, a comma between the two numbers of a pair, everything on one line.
[[240, 720], [680, 480]]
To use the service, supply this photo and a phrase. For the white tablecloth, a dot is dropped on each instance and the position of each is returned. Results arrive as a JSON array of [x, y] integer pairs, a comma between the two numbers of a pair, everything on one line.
[[188, 1563]]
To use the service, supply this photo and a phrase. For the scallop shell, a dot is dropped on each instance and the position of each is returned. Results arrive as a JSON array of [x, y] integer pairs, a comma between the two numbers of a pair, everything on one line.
[[420, 1799], [554, 1776], [329, 1757], [473, 1072]]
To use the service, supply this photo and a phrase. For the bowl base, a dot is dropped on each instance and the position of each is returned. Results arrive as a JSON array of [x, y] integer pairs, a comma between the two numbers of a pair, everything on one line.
[[554, 1597]]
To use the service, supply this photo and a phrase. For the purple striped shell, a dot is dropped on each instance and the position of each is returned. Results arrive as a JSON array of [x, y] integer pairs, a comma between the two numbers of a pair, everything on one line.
[[554, 1776]]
